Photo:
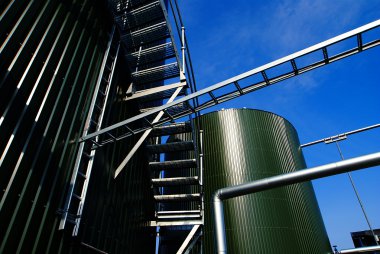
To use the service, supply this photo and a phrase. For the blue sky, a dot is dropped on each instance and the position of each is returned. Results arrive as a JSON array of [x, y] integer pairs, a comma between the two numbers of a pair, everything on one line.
[[230, 37]]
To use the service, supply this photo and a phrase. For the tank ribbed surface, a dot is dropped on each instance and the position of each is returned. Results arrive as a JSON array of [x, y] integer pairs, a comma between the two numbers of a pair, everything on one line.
[[246, 145]]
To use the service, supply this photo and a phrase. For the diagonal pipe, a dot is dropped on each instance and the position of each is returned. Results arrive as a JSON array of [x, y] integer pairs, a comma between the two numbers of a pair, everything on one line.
[[339, 167]]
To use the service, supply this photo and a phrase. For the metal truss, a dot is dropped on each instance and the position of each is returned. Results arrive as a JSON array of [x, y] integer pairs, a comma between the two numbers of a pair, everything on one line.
[[237, 86]]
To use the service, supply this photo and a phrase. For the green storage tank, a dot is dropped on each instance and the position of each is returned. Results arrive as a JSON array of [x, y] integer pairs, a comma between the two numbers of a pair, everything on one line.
[[242, 145]]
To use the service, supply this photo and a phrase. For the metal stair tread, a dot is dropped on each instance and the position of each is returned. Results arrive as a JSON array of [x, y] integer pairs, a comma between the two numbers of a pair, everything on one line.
[[141, 15], [177, 197], [170, 129], [173, 181], [145, 96], [174, 164], [173, 110], [179, 217], [175, 223], [179, 212], [156, 73], [171, 147], [155, 93], [146, 35], [119, 6], [152, 54], [153, 69], [162, 95]]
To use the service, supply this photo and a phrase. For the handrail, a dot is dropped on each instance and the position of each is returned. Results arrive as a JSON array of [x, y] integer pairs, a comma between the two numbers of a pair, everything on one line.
[[181, 33], [340, 136]]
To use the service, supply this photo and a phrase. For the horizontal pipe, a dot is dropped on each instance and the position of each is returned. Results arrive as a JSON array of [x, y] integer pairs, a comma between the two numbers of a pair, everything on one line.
[[357, 163], [360, 250], [335, 137]]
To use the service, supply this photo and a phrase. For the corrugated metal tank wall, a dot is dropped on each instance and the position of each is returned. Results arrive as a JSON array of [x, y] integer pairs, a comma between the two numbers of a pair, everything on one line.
[[50, 56], [246, 145]]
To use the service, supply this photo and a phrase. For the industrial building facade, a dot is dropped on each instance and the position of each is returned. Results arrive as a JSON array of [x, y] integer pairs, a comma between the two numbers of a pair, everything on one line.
[[71, 72], [51, 56]]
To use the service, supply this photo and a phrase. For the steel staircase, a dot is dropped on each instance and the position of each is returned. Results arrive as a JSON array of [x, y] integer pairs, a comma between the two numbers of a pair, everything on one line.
[[177, 182], [161, 78], [158, 75]]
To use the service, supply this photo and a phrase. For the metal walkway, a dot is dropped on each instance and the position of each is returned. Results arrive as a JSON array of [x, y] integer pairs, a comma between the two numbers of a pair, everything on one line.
[[287, 67]]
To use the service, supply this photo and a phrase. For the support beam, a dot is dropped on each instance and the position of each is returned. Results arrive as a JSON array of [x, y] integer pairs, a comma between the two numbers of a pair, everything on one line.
[[175, 223], [154, 90], [190, 236], [256, 86], [357, 163], [192, 244], [340, 136], [144, 136]]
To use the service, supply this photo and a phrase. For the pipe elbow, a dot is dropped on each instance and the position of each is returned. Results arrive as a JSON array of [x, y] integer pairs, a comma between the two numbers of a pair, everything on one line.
[[217, 197]]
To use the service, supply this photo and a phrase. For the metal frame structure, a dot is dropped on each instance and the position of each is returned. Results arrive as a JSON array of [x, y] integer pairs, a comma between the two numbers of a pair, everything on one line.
[[183, 66], [149, 41], [141, 123], [220, 195], [146, 27], [85, 155], [144, 136], [335, 139], [341, 136], [190, 240]]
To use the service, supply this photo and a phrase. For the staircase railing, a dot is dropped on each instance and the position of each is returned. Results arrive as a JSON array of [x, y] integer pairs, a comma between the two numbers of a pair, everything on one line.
[[180, 36]]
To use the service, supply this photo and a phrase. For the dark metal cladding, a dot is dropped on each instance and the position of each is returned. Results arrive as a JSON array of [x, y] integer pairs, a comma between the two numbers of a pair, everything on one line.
[[246, 145], [50, 56]]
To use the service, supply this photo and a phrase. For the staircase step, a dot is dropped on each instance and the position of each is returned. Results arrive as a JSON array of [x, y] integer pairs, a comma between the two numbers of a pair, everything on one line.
[[151, 54], [175, 164], [146, 35], [170, 129], [179, 216], [157, 73], [175, 223], [123, 6], [178, 212], [170, 147], [173, 110], [140, 16], [156, 93], [173, 181], [177, 197]]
